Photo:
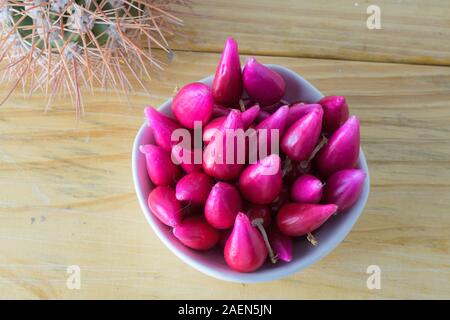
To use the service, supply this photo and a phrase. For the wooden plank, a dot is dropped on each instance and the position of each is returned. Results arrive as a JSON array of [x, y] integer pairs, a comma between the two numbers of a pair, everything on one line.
[[413, 31], [67, 198]]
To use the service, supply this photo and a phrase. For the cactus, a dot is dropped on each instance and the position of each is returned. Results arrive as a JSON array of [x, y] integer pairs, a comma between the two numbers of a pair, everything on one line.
[[66, 46]]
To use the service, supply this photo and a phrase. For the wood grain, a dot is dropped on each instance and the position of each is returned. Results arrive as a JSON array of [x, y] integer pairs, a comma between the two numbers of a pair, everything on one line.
[[67, 198], [412, 31]]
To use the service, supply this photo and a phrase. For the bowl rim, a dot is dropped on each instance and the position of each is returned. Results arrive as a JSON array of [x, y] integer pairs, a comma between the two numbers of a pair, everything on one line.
[[255, 277]]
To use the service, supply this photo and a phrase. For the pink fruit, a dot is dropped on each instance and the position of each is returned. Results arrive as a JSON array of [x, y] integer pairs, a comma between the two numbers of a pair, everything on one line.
[[342, 150], [307, 189], [263, 84], [162, 127], [223, 204], [248, 116], [301, 138], [227, 84], [344, 187], [160, 168], [165, 206], [272, 126], [210, 129], [298, 219], [299, 110], [194, 187], [335, 112], [281, 244], [261, 182], [194, 102], [188, 158], [196, 233], [260, 211], [245, 250], [219, 162]]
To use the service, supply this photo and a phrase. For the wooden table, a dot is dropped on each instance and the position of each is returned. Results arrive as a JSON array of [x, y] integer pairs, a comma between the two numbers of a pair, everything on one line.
[[66, 191]]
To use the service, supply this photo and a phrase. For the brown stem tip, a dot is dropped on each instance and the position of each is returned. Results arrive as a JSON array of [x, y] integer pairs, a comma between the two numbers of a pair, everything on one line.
[[312, 239], [258, 222]]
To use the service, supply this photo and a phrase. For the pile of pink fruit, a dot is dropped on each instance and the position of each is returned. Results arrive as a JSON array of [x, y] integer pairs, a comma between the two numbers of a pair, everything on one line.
[[238, 205]]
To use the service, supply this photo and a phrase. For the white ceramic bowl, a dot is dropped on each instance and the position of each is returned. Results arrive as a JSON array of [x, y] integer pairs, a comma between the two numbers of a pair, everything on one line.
[[212, 262]]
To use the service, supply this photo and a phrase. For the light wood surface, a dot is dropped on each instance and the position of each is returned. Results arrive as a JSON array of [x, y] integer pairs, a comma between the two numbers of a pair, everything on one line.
[[67, 197], [412, 31]]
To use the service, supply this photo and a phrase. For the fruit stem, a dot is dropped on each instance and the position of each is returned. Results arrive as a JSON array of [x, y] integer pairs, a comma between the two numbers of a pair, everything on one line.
[[242, 105], [312, 239], [304, 164], [258, 222]]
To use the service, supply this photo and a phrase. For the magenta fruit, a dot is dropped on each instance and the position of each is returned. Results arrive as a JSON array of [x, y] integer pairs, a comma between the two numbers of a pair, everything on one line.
[[307, 189], [216, 159], [245, 249], [195, 233], [262, 84], [210, 129], [335, 112], [281, 244], [275, 126], [298, 219], [227, 85], [194, 102], [187, 159], [223, 204], [344, 187], [248, 116], [261, 182], [299, 110], [162, 127], [194, 187], [160, 168], [342, 150], [165, 206], [300, 139]]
